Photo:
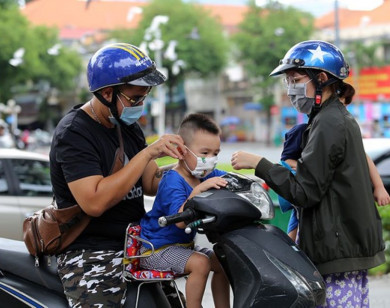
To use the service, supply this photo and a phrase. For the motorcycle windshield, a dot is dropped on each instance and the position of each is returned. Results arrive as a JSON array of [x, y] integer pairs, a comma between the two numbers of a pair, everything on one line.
[[242, 201]]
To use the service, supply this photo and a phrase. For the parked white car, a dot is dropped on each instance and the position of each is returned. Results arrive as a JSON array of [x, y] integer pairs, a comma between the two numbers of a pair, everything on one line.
[[379, 151], [25, 188]]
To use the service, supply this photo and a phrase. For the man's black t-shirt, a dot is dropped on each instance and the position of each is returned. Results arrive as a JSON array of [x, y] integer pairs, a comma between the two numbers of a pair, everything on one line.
[[81, 147]]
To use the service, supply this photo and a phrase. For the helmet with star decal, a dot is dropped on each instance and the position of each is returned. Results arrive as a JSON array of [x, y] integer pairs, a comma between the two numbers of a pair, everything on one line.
[[318, 55]]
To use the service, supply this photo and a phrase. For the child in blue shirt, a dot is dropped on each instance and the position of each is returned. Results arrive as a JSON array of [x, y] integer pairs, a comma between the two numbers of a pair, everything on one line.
[[174, 249], [290, 154]]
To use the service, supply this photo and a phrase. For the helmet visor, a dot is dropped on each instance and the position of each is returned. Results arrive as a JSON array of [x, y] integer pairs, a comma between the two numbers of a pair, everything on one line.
[[286, 64], [154, 78], [281, 69], [146, 78]]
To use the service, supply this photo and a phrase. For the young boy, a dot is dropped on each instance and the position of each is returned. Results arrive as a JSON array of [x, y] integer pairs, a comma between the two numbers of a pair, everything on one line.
[[174, 249], [290, 154]]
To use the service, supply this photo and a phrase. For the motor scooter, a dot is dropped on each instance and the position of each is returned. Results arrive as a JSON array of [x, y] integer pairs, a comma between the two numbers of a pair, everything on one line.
[[264, 266]]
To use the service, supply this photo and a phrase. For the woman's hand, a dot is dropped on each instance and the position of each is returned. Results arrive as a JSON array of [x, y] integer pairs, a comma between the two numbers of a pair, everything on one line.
[[167, 145], [245, 160]]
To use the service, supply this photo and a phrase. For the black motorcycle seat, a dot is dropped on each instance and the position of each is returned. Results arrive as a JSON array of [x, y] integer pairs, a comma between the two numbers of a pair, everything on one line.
[[15, 259]]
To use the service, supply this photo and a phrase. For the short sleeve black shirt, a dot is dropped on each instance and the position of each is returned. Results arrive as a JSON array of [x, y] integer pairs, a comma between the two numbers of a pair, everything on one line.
[[81, 147]]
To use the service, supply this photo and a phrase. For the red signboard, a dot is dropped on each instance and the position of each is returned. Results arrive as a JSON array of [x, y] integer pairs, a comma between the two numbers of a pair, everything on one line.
[[372, 83]]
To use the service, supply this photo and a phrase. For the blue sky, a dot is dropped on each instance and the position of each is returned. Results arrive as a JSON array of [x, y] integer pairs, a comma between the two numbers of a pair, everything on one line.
[[316, 7]]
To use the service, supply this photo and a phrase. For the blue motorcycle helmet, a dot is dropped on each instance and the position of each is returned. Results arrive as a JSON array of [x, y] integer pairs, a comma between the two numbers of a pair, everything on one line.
[[314, 55], [119, 64], [122, 63]]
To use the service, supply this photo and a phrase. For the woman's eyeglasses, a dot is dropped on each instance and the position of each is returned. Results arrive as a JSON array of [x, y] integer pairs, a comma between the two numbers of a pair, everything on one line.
[[292, 79]]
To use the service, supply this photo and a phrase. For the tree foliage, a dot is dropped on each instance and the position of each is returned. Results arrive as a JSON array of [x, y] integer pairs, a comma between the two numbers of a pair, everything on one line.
[[361, 55], [266, 34], [60, 70], [384, 212], [204, 56], [6, 4]]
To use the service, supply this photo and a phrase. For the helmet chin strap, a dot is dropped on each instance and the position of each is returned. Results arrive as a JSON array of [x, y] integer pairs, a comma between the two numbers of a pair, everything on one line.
[[111, 105], [318, 94]]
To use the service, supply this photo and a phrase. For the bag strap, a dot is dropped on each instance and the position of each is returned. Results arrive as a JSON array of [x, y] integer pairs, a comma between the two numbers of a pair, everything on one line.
[[119, 160], [75, 220], [121, 147]]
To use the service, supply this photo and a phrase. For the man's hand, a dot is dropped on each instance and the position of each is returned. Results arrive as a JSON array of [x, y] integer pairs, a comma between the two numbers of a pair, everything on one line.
[[167, 145]]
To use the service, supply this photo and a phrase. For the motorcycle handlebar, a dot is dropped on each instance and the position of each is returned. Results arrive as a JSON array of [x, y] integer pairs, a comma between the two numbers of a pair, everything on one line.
[[186, 215]]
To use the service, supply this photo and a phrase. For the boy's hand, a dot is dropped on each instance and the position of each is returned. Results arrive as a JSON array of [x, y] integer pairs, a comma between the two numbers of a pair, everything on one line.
[[292, 163], [215, 182], [381, 196]]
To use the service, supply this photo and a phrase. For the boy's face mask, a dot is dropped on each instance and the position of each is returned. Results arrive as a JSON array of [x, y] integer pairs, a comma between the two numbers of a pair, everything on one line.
[[204, 165], [297, 94]]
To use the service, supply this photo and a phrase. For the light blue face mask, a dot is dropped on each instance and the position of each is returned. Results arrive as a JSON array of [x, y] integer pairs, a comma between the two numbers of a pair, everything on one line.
[[129, 114]]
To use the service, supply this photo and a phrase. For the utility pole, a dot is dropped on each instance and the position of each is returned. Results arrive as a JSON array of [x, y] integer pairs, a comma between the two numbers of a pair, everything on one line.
[[336, 24], [157, 45]]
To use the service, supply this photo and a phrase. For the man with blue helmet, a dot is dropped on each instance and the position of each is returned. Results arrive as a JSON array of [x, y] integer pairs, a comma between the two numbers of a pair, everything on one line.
[[339, 226], [84, 148]]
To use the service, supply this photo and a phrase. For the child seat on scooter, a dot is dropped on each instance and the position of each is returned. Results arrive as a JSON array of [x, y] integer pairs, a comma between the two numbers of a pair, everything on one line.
[[132, 257], [131, 260]]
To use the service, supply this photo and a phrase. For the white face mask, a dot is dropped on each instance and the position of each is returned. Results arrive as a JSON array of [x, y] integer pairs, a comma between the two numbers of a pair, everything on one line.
[[297, 94], [204, 165]]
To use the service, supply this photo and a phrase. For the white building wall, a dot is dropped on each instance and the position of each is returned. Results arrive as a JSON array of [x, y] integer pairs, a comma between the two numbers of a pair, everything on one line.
[[204, 95]]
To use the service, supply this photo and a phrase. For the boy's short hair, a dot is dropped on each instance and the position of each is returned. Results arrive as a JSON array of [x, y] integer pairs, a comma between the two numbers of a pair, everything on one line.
[[195, 122]]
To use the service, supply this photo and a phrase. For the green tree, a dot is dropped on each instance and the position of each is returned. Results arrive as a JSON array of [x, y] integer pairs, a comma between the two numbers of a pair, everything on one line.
[[204, 55], [364, 54], [59, 70], [264, 36], [9, 3], [5, 4]]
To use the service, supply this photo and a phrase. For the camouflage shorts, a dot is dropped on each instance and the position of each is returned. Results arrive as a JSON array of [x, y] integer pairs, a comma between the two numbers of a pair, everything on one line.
[[92, 278]]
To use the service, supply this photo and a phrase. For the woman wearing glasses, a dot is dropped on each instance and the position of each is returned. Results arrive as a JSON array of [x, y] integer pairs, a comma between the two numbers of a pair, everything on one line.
[[86, 143], [339, 225]]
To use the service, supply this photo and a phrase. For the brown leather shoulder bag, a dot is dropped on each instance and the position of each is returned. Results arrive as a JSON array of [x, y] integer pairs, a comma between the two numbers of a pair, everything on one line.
[[50, 230]]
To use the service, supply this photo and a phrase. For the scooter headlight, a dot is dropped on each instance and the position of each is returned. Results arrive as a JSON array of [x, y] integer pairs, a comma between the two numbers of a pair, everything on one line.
[[259, 198]]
